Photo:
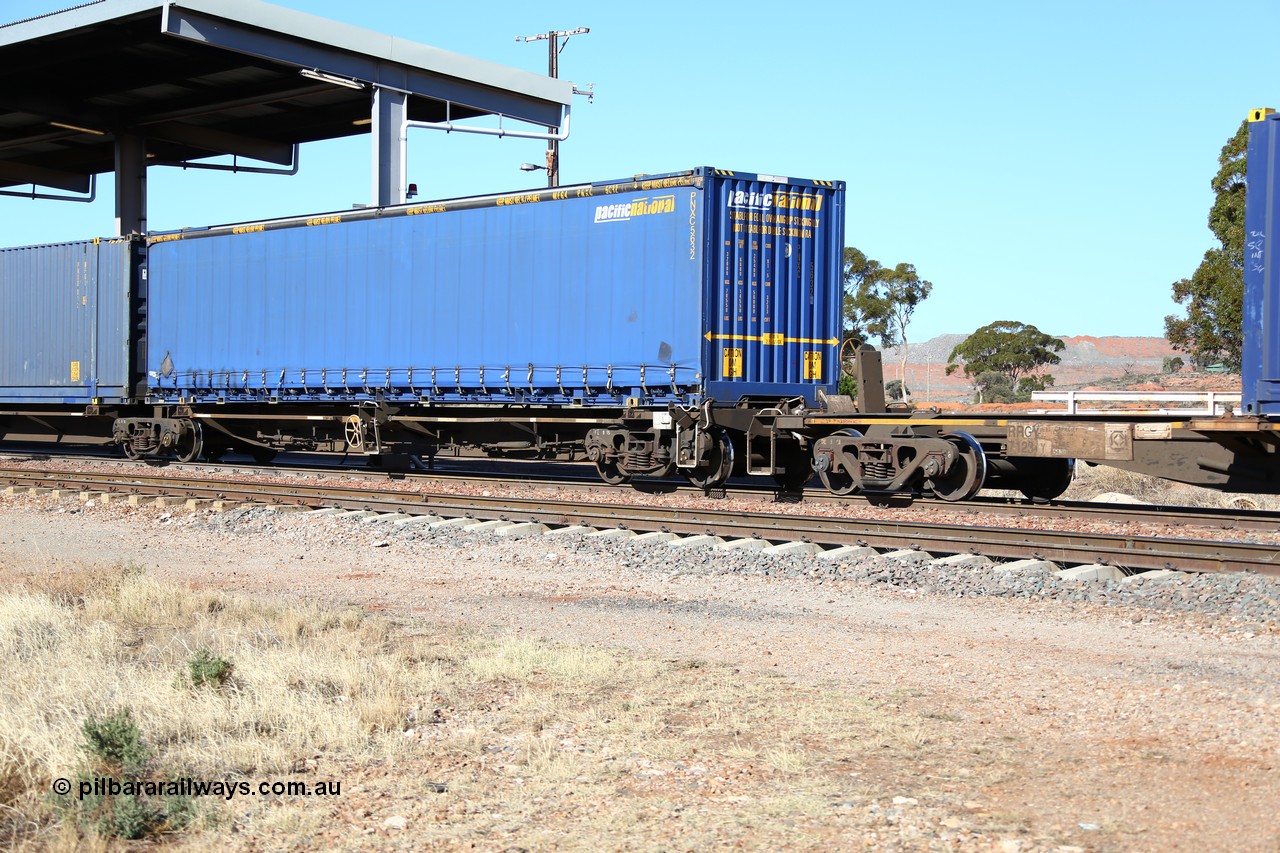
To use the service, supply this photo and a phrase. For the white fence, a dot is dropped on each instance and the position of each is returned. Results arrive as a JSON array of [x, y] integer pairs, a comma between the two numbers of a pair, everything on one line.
[[1203, 403]]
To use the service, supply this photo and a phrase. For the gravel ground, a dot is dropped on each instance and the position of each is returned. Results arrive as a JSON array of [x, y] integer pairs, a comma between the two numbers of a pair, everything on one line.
[[1072, 715], [1220, 601]]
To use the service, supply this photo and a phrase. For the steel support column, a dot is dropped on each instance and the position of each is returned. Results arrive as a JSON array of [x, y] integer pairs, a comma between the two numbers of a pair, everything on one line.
[[390, 112], [131, 184]]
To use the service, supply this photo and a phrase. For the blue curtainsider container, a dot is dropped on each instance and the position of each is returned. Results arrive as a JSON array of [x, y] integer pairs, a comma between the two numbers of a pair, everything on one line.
[[1260, 370], [64, 322], [656, 289]]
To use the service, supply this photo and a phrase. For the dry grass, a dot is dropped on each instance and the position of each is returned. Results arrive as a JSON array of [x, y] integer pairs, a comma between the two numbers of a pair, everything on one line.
[[526, 739], [1094, 480], [306, 681]]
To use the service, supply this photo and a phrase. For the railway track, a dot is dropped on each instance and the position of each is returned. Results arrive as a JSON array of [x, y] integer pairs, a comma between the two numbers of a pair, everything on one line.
[[561, 476], [1131, 553]]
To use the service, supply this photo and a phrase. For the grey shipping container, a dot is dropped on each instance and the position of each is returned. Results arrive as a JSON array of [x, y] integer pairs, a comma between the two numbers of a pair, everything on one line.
[[64, 322]]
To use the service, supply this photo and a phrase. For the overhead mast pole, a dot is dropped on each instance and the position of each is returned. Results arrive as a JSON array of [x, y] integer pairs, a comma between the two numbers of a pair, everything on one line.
[[554, 46]]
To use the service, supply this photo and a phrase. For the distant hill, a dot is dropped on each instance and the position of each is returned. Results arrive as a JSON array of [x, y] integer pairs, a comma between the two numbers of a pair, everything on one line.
[[1086, 360]]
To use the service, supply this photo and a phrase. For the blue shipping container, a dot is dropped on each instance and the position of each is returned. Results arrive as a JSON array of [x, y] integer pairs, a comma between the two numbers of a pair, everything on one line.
[[64, 322], [660, 288], [1260, 369]]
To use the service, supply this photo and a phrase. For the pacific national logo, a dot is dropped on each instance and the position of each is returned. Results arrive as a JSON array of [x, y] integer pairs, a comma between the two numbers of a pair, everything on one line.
[[780, 200], [637, 207]]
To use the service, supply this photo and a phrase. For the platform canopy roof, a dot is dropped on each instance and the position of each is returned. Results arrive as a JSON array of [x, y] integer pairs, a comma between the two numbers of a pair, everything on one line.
[[199, 78]]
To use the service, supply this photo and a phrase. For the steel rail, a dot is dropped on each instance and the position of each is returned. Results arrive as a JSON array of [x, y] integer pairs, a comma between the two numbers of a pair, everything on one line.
[[1020, 508], [1210, 517], [1063, 547]]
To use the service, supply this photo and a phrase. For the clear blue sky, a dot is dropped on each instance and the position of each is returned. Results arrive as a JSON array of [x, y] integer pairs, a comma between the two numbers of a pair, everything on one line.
[[1047, 163]]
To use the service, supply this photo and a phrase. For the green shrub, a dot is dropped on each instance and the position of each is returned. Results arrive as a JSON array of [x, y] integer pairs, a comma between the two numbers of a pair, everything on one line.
[[119, 755], [127, 817], [117, 742], [205, 669], [182, 811]]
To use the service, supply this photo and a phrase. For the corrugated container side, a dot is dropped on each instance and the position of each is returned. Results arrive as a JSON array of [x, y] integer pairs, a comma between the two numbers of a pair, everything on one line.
[[1260, 370], [776, 290], [587, 296], [64, 322]]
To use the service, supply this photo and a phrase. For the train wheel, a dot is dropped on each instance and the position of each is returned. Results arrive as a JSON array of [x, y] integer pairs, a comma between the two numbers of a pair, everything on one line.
[[130, 452], [611, 473], [967, 475], [1049, 479], [215, 451], [263, 455], [841, 482], [719, 463], [190, 445]]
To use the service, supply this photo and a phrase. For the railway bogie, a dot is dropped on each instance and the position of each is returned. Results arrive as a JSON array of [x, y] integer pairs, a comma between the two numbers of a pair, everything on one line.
[[675, 444], [901, 460], [621, 453], [138, 438]]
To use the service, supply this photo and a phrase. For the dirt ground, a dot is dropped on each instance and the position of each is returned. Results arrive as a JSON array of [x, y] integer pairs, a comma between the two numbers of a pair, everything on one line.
[[1041, 726]]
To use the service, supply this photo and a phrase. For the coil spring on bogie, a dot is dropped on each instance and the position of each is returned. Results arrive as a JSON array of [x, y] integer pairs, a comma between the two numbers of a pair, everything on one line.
[[144, 441], [877, 470], [640, 461]]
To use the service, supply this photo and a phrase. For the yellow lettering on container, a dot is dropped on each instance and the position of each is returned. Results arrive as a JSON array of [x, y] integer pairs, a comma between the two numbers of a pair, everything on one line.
[[813, 365], [732, 362]]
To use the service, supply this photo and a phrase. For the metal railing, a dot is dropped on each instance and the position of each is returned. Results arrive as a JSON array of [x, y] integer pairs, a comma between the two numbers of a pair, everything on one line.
[[1206, 403]]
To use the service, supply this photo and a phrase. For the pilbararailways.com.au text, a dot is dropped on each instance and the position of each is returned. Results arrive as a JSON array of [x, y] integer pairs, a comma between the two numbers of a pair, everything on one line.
[[227, 789]]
